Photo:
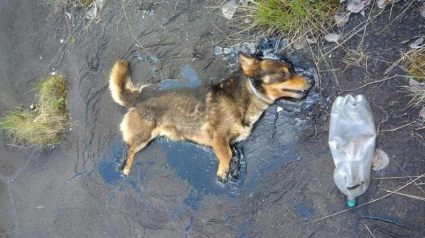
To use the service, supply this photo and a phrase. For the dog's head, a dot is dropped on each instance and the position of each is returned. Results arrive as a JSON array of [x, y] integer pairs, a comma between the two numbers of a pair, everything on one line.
[[274, 79]]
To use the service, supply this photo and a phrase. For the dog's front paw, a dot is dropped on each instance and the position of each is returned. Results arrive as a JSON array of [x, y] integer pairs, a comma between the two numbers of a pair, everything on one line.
[[222, 173], [126, 171]]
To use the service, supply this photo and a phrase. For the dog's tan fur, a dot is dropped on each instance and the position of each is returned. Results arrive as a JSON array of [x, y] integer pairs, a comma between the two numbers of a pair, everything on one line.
[[210, 115]]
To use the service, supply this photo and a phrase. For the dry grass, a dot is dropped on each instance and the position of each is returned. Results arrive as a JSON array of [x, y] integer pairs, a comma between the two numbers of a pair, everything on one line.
[[62, 4], [417, 64], [46, 124], [418, 95], [296, 19], [416, 70]]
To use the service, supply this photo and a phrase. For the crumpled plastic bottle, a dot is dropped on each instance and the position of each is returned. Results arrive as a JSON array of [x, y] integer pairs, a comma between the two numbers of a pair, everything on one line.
[[352, 139], [229, 9]]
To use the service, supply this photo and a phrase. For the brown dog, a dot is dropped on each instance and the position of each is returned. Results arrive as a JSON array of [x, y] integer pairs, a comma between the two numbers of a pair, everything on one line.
[[214, 115]]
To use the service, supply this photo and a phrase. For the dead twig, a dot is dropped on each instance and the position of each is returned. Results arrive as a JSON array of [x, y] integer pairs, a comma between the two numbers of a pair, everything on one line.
[[369, 230], [370, 83], [404, 171], [25, 147], [407, 195], [227, 37], [397, 177], [400, 127]]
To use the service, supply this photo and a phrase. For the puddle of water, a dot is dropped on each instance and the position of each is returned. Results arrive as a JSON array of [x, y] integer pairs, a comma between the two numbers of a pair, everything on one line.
[[198, 164], [190, 80], [195, 164], [111, 161]]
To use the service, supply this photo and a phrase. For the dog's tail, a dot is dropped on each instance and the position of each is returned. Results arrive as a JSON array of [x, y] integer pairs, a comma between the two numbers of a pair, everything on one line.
[[122, 89]]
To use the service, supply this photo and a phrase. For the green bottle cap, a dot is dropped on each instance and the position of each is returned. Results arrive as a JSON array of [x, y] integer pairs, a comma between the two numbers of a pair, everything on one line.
[[351, 203]]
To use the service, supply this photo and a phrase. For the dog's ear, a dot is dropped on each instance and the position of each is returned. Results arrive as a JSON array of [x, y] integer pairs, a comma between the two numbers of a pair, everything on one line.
[[249, 65]]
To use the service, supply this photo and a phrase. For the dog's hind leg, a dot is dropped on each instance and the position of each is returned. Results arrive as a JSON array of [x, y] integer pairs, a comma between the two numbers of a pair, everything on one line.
[[136, 134], [224, 154], [133, 149]]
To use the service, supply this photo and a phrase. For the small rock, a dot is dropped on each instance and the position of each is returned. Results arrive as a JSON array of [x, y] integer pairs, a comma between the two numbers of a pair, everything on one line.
[[279, 109], [229, 9], [227, 51], [332, 37], [422, 9], [415, 84], [356, 6], [68, 14], [33, 106], [91, 12], [417, 43], [218, 50], [422, 113], [61, 41], [341, 19], [382, 3], [300, 45], [99, 4], [380, 160], [251, 47], [53, 73], [311, 41]]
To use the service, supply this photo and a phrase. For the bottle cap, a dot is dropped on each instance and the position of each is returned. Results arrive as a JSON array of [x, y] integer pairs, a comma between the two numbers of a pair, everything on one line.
[[351, 203]]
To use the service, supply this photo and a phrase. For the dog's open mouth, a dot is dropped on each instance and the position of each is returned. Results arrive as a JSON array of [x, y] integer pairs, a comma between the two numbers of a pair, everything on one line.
[[300, 93], [294, 91], [297, 94]]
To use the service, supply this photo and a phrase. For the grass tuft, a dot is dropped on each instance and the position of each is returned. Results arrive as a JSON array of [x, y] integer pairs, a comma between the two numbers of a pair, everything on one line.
[[295, 18], [62, 4], [417, 63], [45, 125], [416, 70]]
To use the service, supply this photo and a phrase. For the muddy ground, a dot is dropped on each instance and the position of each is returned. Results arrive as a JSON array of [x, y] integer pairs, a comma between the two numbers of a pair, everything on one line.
[[74, 189]]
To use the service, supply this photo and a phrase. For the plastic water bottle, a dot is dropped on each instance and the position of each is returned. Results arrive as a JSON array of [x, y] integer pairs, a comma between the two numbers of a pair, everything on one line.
[[352, 142]]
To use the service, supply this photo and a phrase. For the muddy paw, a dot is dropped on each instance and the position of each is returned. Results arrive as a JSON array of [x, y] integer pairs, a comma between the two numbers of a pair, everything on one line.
[[126, 171], [222, 176]]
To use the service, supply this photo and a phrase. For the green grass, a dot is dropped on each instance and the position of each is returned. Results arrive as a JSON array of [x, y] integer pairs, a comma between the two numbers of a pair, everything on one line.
[[295, 18], [45, 125]]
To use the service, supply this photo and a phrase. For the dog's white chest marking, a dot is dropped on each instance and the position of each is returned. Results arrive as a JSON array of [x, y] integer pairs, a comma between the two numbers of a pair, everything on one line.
[[244, 131]]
